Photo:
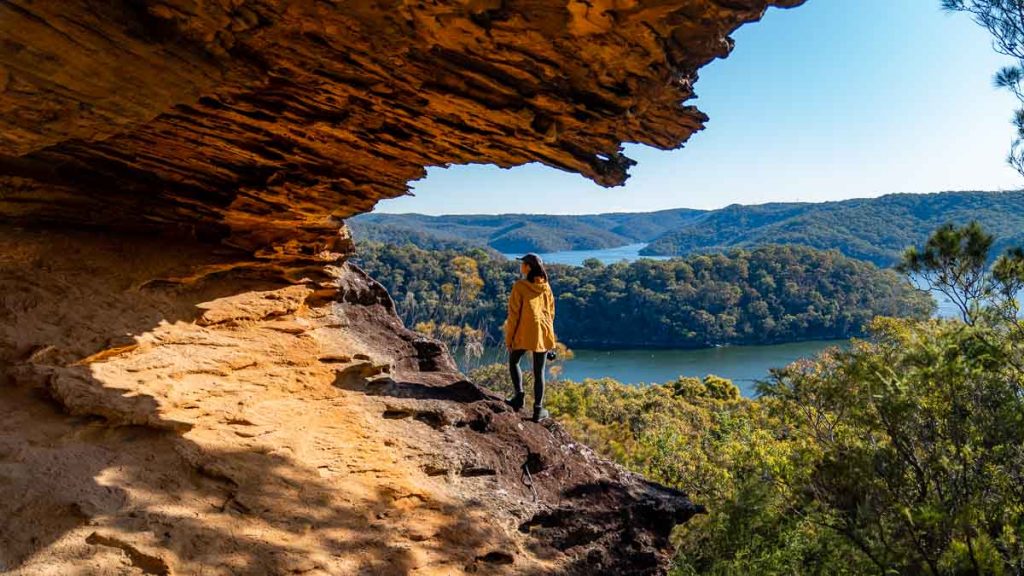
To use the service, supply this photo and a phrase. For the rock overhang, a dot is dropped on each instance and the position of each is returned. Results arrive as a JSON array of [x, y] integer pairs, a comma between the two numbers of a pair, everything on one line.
[[262, 124]]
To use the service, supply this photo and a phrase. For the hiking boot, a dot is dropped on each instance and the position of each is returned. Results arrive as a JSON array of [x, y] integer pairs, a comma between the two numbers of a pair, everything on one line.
[[540, 413], [517, 401]]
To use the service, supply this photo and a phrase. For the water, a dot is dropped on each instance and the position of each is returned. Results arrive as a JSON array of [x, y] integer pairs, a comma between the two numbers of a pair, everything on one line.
[[628, 253], [744, 365], [946, 307], [631, 252]]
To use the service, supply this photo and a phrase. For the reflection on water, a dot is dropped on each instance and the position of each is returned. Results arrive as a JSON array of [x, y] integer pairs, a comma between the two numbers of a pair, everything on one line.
[[628, 253], [631, 252], [744, 365]]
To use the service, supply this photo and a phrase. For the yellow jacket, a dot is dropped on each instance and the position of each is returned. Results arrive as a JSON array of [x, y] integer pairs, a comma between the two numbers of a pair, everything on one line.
[[531, 317]]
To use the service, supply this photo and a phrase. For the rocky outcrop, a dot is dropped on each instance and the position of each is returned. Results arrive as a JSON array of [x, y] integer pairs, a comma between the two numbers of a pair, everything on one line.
[[177, 411], [192, 378], [262, 123]]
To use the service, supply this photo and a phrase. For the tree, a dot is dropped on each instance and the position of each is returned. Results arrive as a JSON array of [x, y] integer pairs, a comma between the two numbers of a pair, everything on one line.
[[912, 447], [901, 454], [766, 295], [1004, 19], [914, 440], [954, 261], [470, 283]]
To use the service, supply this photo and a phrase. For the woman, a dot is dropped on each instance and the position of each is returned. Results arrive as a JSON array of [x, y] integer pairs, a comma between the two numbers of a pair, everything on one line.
[[530, 328]]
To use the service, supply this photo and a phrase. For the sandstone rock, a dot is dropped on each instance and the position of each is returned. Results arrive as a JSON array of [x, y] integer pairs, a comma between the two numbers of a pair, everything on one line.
[[232, 446], [192, 378], [262, 123]]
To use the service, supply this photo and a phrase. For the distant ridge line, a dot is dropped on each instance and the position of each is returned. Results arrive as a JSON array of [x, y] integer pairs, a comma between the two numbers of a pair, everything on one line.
[[873, 229]]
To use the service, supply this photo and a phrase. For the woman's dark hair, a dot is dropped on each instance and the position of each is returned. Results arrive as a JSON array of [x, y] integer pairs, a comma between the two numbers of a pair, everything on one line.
[[536, 267]]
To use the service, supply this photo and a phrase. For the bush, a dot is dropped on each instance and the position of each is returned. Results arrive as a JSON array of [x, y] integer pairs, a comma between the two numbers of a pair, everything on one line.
[[903, 454]]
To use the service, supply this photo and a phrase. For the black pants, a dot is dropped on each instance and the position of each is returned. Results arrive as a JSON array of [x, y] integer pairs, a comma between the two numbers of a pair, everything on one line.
[[514, 357]]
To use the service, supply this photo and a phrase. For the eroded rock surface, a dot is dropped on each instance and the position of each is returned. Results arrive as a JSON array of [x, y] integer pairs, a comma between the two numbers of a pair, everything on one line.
[[192, 378], [156, 420], [261, 122]]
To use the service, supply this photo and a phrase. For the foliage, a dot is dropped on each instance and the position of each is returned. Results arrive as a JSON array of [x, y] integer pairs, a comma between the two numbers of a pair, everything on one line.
[[496, 376], [902, 454], [464, 342], [874, 229], [953, 261], [915, 446], [519, 233], [769, 295], [400, 234], [727, 453]]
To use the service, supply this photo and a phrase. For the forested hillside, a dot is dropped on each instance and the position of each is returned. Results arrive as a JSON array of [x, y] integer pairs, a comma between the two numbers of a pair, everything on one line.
[[900, 454], [877, 230], [520, 232], [768, 295], [874, 229]]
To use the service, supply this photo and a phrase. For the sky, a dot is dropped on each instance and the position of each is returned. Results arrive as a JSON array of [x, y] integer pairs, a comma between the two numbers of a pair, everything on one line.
[[832, 100]]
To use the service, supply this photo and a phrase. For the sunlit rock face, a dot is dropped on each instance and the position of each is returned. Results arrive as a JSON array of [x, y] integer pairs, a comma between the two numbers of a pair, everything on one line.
[[192, 411], [192, 377], [260, 122]]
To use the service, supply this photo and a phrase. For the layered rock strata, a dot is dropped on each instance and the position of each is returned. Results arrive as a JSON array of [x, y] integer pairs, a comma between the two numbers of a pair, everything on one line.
[[261, 123], [193, 379], [160, 417]]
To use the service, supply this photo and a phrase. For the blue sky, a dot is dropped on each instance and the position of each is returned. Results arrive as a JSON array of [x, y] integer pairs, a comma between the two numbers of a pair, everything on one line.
[[835, 99]]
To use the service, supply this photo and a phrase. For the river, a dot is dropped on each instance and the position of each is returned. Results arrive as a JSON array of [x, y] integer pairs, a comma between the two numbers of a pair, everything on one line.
[[628, 253], [744, 365]]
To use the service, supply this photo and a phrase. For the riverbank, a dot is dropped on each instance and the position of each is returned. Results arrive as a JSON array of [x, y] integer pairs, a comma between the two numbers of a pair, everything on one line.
[[744, 365], [629, 253]]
